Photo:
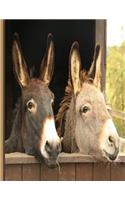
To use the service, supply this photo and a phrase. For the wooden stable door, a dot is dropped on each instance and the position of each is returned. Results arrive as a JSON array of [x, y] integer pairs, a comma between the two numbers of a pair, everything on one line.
[[1, 95]]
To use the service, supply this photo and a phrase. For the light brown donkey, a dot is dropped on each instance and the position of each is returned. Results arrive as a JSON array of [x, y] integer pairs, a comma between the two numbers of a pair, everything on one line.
[[83, 120]]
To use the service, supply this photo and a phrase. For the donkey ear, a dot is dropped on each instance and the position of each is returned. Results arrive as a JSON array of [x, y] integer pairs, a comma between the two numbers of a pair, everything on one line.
[[95, 69], [47, 66], [75, 67], [20, 67]]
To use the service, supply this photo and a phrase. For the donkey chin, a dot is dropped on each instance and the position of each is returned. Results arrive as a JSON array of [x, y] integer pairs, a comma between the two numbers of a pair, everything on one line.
[[111, 157], [105, 156], [50, 162]]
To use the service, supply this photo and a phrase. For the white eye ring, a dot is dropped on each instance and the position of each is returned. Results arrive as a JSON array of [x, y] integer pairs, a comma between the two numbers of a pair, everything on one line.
[[32, 106]]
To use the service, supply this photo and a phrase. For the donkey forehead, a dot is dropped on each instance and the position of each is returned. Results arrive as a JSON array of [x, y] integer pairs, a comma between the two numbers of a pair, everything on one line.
[[37, 88], [89, 93]]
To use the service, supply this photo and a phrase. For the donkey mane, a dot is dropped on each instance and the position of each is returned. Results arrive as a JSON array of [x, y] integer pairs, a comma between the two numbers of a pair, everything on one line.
[[16, 109], [65, 103], [17, 106]]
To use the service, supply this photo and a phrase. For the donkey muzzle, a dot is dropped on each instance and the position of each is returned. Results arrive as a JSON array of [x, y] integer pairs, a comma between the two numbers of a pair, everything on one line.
[[113, 156], [53, 149]]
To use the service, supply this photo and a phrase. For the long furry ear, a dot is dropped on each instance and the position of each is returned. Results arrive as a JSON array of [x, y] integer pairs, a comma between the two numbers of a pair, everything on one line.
[[20, 67], [75, 67], [95, 69], [47, 65]]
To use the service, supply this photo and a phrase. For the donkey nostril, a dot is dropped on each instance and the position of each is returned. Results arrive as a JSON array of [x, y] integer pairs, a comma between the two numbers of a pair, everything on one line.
[[47, 143], [48, 147], [111, 139]]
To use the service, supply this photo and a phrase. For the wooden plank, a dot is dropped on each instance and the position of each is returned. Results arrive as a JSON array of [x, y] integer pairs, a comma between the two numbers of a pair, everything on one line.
[[13, 172], [75, 158], [67, 172], [48, 174], [118, 172], [101, 171], [100, 38], [84, 171], [31, 172], [22, 158], [1, 99], [19, 158]]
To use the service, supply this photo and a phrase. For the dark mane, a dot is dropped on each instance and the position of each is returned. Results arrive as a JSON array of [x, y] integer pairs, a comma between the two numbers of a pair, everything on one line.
[[65, 103], [17, 106], [14, 112]]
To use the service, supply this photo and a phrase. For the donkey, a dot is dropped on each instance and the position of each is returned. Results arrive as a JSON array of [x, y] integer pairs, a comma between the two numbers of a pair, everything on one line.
[[33, 130], [83, 119]]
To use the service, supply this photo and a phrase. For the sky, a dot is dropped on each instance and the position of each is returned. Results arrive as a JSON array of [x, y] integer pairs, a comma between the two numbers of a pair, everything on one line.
[[115, 32]]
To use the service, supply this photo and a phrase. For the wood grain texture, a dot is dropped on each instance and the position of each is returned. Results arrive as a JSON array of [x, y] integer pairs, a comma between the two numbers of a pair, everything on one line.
[[75, 158], [19, 158], [22, 158], [31, 172], [72, 167], [100, 38], [13, 172], [48, 174], [2, 67], [67, 172], [117, 172], [101, 172], [84, 171]]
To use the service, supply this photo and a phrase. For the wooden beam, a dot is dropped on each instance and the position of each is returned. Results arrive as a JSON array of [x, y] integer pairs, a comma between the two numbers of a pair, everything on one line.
[[22, 158], [1, 98], [100, 37]]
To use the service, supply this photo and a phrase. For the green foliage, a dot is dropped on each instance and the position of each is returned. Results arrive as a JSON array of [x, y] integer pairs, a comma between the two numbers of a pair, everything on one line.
[[120, 126], [115, 81]]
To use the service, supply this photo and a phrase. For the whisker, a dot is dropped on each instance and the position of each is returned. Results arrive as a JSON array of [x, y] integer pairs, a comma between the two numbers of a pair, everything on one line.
[[59, 167]]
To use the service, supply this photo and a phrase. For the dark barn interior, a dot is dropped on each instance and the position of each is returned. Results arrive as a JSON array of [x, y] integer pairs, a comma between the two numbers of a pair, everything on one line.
[[33, 35]]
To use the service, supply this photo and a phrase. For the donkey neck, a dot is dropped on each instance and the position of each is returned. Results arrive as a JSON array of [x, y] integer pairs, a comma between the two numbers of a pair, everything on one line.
[[15, 140]]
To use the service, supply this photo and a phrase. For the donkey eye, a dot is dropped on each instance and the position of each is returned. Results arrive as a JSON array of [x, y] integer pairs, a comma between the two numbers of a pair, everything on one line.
[[30, 105], [84, 109]]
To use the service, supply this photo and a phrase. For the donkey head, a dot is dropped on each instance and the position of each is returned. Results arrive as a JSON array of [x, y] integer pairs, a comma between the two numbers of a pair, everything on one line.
[[95, 132], [39, 136]]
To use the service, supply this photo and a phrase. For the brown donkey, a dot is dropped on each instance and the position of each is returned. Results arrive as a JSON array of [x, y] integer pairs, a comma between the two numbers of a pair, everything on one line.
[[83, 119], [33, 130]]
